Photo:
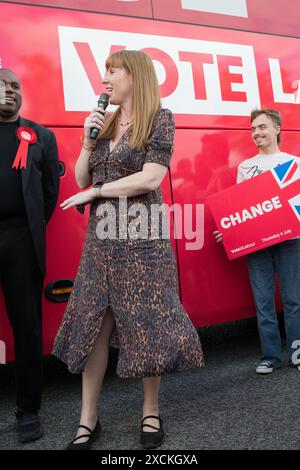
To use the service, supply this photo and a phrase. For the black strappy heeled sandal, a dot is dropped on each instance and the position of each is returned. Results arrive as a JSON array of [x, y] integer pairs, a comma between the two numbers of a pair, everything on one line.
[[93, 434], [151, 440]]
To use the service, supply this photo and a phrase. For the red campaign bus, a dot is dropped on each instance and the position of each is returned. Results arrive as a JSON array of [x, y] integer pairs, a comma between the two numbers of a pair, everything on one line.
[[215, 62]]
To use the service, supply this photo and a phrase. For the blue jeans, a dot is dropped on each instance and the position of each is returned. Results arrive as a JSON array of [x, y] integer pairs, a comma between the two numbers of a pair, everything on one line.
[[283, 258]]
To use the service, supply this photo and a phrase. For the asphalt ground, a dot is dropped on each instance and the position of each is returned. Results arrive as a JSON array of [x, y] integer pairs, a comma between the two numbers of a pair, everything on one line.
[[225, 405]]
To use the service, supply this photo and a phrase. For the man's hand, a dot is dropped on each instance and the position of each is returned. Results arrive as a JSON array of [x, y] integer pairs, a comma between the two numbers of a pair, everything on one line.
[[218, 236]]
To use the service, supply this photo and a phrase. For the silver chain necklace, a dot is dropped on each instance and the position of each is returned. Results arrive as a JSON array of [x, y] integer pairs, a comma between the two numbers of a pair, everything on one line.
[[123, 124]]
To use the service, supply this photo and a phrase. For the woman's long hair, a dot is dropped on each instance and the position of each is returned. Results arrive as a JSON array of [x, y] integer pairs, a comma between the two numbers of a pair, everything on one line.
[[145, 99]]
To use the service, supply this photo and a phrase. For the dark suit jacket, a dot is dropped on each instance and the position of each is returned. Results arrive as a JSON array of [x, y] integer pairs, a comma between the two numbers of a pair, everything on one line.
[[40, 182]]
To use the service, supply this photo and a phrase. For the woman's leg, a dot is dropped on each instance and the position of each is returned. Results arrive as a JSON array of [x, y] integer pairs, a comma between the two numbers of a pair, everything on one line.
[[93, 375], [151, 406]]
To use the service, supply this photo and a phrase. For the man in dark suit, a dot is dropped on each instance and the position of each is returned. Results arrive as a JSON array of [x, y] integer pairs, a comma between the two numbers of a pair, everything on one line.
[[28, 195]]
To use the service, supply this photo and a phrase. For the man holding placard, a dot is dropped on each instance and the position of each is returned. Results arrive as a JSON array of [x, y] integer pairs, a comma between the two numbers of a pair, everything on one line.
[[282, 258]]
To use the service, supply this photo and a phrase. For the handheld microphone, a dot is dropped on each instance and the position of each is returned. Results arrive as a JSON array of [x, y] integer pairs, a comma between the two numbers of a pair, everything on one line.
[[102, 104]]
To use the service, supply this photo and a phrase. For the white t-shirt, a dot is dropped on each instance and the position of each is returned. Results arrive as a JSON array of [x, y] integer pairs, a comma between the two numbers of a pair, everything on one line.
[[260, 163]]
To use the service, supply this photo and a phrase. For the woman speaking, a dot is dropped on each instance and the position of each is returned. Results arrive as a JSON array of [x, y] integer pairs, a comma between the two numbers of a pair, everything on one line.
[[125, 291]]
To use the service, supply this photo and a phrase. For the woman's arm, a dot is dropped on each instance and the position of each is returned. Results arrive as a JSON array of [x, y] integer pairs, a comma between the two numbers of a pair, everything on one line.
[[142, 182], [159, 150], [82, 175]]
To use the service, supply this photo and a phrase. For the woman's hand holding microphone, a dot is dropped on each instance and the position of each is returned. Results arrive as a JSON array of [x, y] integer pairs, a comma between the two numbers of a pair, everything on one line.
[[95, 120]]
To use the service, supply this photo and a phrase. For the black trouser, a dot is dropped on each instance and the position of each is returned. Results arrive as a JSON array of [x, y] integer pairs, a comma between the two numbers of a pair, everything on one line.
[[22, 284]]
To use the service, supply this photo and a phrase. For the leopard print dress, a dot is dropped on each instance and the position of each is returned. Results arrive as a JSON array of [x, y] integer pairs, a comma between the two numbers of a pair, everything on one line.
[[135, 277]]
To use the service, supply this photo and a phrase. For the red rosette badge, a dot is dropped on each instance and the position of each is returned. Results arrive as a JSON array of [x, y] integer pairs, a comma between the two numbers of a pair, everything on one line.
[[26, 136]]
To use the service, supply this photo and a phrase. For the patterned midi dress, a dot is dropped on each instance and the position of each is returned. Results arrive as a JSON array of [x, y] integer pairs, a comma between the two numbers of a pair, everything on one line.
[[135, 277]]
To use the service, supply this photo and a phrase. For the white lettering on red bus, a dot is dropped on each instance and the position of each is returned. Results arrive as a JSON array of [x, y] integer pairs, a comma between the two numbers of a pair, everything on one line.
[[281, 96], [228, 7], [195, 76]]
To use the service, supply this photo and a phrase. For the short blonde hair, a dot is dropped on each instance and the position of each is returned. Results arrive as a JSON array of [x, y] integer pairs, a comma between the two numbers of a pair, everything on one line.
[[145, 99]]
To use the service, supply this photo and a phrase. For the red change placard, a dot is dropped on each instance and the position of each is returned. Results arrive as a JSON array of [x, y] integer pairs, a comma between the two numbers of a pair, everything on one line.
[[260, 212]]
